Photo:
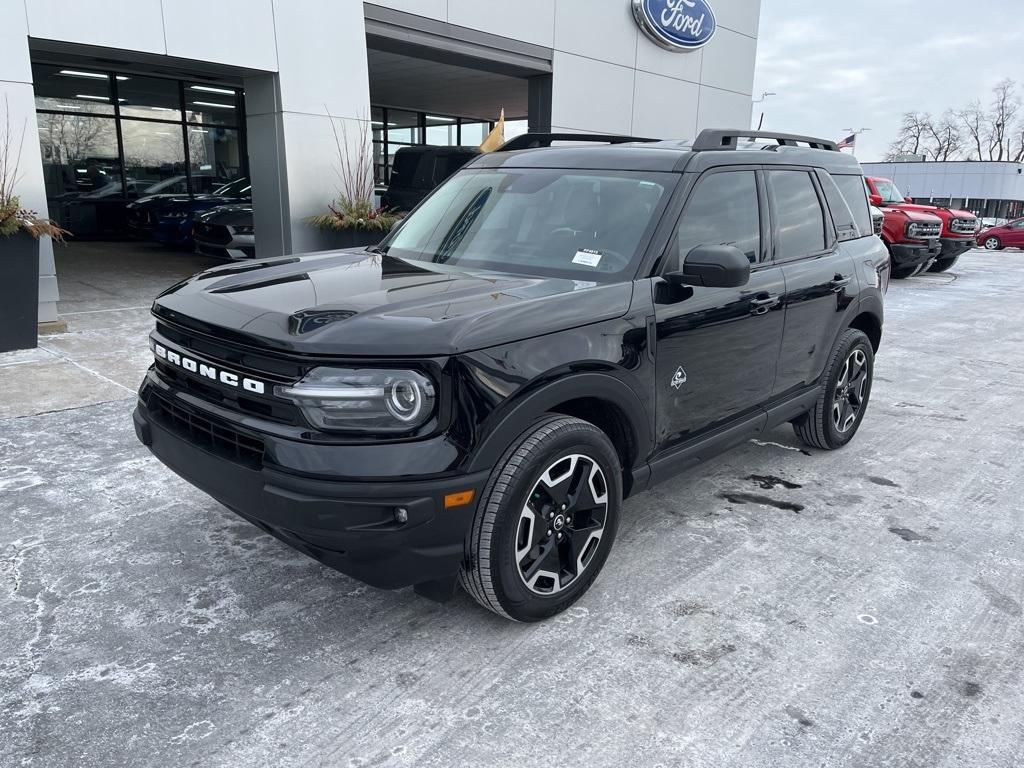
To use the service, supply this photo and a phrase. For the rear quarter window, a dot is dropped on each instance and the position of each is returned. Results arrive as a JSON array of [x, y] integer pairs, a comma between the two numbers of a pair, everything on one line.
[[855, 194]]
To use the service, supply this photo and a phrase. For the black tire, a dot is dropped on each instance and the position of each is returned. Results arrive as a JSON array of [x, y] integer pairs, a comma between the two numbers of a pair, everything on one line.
[[941, 265], [820, 427], [492, 573], [993, 244]]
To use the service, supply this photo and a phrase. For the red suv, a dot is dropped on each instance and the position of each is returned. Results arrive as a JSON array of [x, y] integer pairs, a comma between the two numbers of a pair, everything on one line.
[[1010, 235], [959, 228]]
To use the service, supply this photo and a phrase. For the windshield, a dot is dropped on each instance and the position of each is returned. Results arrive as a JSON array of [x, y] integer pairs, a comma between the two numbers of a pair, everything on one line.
[[585, 225], [888, 191]]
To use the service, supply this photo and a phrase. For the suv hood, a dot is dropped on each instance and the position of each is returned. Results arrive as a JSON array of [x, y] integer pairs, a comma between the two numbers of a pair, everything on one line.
[[923, 216], [356, 303], [937, 210]]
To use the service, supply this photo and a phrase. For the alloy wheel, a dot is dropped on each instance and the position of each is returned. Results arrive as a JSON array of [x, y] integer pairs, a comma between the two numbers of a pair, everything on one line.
[[992, 244], [849, 395], [561, 524]]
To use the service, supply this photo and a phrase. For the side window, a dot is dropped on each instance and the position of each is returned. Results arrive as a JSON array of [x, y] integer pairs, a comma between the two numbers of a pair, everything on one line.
[[854, 192], [800, 218], [722, 210], [842, 217]]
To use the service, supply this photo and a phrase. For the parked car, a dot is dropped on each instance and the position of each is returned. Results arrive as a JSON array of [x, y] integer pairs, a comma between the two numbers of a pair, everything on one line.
[[989, 223], [912, 239], [416, 171], [959, 228], [226, 232], [387, 412], [1009, 235], [168, 218]]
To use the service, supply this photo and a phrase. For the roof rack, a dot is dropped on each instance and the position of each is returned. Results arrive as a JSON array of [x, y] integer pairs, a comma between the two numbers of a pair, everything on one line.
[[535, 140], [715, 138]]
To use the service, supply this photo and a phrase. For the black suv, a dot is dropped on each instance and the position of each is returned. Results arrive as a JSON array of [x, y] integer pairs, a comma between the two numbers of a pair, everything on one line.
[[552, 330]]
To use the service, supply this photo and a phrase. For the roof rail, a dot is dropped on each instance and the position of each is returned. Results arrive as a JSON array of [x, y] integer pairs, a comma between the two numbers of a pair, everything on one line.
[[535, 140], [715, 138]]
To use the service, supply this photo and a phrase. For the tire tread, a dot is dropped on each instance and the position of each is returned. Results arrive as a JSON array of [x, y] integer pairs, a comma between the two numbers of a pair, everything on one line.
[[475, 576]]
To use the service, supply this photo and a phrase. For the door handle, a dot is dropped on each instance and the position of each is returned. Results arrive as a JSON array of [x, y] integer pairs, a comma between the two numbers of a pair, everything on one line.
[[839, 282], [763, 304]]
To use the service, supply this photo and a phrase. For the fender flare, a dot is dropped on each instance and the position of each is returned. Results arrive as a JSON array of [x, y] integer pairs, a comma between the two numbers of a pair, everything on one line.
[[870, 305], [523, 409]]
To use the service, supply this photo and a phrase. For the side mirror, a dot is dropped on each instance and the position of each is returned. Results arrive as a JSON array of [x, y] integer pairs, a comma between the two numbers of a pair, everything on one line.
[[908, 200], [713, 266], [876, 200]]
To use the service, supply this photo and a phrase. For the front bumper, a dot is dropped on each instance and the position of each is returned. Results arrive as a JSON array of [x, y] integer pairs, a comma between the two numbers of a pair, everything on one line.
[[173, 231], [954, 246], [906, 255], [348, 525]]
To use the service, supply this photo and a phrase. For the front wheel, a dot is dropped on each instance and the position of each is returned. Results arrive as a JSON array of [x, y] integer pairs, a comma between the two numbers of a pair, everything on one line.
[[846, 388], [993, 244], [545, 522]]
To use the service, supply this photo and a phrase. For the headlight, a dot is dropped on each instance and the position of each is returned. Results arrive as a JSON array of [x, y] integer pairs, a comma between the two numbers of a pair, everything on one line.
[[242, 230], [363, 400]]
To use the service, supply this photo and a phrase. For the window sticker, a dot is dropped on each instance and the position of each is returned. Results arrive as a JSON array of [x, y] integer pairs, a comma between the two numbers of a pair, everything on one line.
[[587, 256]]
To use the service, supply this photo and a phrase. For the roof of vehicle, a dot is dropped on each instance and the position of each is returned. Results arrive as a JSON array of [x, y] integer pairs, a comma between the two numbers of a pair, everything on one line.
[[711, 148]]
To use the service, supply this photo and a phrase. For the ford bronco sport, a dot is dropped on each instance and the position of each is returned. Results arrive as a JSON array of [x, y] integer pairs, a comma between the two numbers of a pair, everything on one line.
[[552, 330]]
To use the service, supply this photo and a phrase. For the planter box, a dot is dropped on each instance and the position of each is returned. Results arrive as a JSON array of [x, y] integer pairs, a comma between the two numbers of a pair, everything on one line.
[[19, 292], [350, 238]]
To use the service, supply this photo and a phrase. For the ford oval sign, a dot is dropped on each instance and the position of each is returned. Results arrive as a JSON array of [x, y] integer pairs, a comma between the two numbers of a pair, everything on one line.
[[677, 25]]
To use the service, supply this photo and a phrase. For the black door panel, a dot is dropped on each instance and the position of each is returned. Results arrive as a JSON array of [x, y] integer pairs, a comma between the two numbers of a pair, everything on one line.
[[716, 355], [818, 292]]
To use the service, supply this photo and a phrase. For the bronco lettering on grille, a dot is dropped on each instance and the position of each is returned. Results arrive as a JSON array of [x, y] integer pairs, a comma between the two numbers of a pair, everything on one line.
[[208, 371]]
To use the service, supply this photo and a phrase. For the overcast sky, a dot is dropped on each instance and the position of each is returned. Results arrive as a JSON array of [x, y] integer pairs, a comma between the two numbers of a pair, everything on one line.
[[864, 63]]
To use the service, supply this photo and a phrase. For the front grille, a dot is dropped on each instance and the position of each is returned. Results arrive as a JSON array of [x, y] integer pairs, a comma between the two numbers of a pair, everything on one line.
[[963, 226], [926, 231], [213, 233], [217, 437], [231, 355]]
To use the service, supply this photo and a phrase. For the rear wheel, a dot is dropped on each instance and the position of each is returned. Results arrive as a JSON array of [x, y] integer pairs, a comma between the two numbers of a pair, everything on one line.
[[839, 409], [941, 265], [546, 521], [993, 244]]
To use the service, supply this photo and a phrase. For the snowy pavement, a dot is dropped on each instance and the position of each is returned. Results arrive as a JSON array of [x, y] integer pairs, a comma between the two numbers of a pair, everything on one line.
[[774, 607]]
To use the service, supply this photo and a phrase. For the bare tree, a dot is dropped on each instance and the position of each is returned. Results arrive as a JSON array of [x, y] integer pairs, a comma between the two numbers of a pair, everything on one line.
[[912, 135], [1003, 119], [974, 121], [946, 137], [973, 132], [70, 138]]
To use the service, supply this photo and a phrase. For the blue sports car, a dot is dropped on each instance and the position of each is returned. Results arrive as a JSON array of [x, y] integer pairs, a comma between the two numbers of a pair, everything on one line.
[[169, 219]]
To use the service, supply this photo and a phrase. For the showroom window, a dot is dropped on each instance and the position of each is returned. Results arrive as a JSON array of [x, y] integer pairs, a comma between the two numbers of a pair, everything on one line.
[[109, 138], [397, 128]]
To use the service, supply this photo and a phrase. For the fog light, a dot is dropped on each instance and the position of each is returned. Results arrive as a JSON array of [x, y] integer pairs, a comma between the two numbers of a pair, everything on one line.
[[401, 515]]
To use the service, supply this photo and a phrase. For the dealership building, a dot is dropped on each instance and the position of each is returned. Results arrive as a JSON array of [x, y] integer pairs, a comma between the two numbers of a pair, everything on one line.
[[990, 189], [126, 98]]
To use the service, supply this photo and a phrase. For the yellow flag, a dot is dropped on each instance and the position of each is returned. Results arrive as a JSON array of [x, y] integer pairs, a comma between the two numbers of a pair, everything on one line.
[[496, 137]]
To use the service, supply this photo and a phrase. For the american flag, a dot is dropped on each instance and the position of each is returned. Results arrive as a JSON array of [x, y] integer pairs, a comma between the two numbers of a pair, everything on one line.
[[848, 143]]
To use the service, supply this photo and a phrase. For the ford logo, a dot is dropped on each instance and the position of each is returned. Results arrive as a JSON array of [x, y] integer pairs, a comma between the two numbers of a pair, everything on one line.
[[677, 25]]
